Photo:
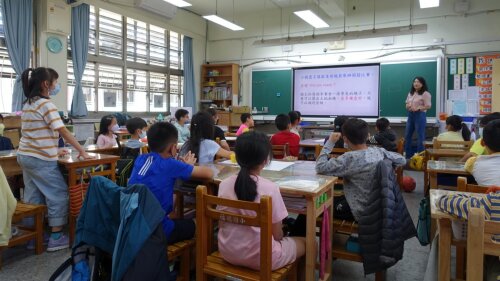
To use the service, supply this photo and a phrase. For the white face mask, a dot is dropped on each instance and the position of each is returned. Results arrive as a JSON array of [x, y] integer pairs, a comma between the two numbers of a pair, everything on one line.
[[2, 127], [142, 134], [481, 132]]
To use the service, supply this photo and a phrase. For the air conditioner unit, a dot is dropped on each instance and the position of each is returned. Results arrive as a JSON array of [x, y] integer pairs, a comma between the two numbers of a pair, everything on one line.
[[159, 7]]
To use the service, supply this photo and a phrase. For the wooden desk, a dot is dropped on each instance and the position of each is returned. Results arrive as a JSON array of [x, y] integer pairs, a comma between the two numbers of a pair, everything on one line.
[[122, 135], [8, 162], [311, 143], [299, 181], [72, 164], [93, 148], [444, 167], [435, 154], [445, 232]]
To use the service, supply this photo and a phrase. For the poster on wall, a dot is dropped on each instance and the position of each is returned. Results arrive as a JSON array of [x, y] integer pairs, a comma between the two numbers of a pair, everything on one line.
[[484, 71]]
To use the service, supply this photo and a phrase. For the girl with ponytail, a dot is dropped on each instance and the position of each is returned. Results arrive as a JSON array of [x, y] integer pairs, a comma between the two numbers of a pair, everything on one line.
[[239, 244], [38, 151], [457, 130]]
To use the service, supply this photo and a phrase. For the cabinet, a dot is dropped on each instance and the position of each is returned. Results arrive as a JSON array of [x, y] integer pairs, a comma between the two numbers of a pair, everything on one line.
[[219, 85]]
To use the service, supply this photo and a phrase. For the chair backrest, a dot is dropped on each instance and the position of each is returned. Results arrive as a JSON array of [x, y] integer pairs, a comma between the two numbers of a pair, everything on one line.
[[458, 145], [206, 214], [400, 146], [280, 151], [464, 187], [480, 242]]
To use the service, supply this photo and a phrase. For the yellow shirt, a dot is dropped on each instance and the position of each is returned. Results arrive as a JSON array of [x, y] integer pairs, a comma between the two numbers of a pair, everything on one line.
[[478, 148], [450, 136]]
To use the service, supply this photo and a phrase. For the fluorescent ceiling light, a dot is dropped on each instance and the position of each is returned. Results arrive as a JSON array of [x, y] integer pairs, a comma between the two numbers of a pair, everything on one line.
[[428, 3], [311, 18], [178, 3], [223, 22]]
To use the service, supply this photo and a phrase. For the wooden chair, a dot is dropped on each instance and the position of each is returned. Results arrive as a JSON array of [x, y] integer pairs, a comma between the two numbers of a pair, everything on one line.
[[181, 250], [210, 263], [26, 234], [480, 242], [280, 151], [399, 170], [459, 145]]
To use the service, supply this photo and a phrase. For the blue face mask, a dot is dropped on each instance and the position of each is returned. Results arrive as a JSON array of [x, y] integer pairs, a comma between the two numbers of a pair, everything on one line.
[[56, 90], [142, 135]]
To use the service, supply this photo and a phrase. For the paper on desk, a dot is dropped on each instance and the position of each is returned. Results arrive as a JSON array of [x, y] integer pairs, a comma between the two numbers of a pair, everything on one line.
[[319, 141], [273, 166], [457, 95], [459, 107], [299, 183]]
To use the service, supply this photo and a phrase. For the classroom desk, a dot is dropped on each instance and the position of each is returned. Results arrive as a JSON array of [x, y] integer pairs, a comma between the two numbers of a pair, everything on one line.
[[122, 135], [298, 181], [72, 164], [8, 162], [435, 167], [445, 232], [435, 154], [93, 148], [311, 143]]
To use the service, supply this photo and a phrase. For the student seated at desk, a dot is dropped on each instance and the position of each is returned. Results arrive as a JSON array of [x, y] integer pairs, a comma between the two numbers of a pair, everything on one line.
[[182, 117], [385, 136], [246, 123], [106, 138], [484, 168], [295, 118], [137, 128], [337, 128], [159, 170], [5, 143], [201, 141], [240, 244], [218, 132], [285, 136], [357, 166], [456, 130], [477, 148]]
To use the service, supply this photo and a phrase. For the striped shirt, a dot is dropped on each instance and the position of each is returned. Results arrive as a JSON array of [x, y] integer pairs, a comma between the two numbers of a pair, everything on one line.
[[39, 124], [460, 204]]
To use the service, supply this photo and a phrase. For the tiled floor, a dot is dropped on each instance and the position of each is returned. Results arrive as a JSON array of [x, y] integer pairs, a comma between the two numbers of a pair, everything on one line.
[[20, 264]]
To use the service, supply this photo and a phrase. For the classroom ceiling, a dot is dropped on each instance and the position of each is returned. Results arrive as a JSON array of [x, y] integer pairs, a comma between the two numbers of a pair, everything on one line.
[[225, 7]]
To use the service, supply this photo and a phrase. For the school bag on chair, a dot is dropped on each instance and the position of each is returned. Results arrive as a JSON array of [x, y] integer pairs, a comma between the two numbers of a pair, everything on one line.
[[424, 222]]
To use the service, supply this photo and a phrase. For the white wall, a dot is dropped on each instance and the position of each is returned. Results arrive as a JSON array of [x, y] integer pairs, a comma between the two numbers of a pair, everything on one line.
[[474, 33], [184, 22]]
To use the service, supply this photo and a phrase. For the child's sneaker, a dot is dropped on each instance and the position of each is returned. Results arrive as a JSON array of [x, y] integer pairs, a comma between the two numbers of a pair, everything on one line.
[[58, 244]]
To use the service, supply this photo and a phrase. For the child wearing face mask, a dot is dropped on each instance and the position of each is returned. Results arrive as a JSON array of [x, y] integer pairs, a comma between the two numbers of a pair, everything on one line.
[[38, 152], [106, 138], [137, 127], [5, 143]]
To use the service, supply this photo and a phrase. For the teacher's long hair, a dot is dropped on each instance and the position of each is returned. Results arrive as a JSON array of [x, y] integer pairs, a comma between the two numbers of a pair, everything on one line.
[[252, 149], [424, 85]]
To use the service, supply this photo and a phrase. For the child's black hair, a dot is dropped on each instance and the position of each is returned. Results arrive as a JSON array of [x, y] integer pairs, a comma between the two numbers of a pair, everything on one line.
[[338, 122], [382, 124], [294, 116], [212, 112], [491, 135], [282, 121], [355, 130], [135, 124], [202, 127], [457, 124], [424, 85], [252, 149], [161, 135], [488, 118], [244, 117], [105, 122], [32, 84], [180, 113]]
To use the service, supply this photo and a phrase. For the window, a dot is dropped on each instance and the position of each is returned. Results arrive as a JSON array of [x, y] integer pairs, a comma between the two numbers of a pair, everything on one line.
[[7, 73], [132, 65]]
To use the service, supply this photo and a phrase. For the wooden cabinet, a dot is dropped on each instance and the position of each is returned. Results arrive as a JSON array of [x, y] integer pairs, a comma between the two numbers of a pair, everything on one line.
[[229, 119], [219, 84]]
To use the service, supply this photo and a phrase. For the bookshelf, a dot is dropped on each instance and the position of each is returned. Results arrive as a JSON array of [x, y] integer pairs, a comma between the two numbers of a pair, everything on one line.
[[219, 85]]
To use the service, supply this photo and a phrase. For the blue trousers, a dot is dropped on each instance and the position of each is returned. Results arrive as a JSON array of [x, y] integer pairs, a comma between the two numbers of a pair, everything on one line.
[[416, 121]]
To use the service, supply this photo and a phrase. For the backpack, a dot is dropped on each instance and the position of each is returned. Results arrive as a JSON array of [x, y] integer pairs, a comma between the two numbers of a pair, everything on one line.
[[87, 263], [417, 161], [424, 222]]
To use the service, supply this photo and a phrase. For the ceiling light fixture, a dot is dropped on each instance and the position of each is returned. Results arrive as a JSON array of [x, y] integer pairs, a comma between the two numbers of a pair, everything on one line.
[[311, 18], [227, 24], [428, 3], [178, 3]]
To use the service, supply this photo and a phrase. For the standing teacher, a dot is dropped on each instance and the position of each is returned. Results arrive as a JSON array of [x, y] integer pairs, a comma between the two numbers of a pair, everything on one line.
[[417, 103]]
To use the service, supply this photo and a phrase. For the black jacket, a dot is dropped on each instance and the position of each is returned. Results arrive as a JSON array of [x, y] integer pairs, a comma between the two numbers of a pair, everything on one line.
[[387, 139], [385, 223]]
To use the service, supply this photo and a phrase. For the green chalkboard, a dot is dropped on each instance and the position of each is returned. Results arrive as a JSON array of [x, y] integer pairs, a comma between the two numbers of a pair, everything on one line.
[[272, 88], [395, 83]]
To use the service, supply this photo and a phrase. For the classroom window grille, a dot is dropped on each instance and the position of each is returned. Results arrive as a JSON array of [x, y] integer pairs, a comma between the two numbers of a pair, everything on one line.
[[132, 65]]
